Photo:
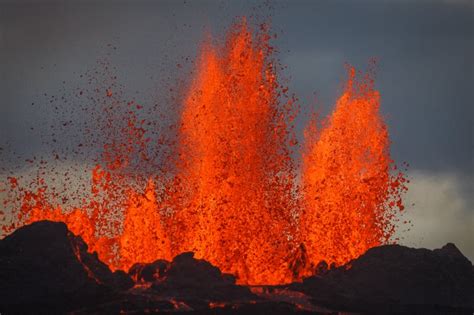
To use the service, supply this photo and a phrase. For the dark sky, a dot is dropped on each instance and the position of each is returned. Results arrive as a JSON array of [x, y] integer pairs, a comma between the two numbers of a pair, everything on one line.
[[424, 50]]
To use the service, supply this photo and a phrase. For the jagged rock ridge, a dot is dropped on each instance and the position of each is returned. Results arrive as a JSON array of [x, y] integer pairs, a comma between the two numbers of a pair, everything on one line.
[[45, 268]]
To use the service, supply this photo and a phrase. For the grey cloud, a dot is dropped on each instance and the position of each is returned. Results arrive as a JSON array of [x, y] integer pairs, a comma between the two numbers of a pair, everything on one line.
[[443, 211]]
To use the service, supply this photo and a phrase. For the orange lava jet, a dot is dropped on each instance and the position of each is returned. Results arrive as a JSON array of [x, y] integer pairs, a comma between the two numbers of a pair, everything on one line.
[[234, 163], [232, 195], [349, 192]]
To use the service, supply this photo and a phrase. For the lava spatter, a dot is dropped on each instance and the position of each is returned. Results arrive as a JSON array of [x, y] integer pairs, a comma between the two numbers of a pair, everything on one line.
[[226, 186]]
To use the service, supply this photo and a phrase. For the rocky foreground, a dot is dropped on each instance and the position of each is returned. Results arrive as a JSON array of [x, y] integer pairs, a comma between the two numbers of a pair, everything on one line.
[[44, 268]]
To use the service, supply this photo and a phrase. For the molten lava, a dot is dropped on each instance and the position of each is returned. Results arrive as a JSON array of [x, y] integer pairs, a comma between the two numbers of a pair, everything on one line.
[[235, 166], [346, 178], [232, 195]]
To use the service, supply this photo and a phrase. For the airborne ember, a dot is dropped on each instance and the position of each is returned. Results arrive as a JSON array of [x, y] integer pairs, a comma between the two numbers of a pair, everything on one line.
[[226, 184]]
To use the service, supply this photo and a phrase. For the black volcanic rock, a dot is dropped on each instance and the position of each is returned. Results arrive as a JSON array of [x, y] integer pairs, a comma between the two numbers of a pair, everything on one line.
[[185, 270], [397, 278], [45, 267], [141, 272], [190, 278]]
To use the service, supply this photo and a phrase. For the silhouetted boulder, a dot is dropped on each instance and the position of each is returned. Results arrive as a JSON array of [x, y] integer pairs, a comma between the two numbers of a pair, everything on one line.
[[43, 266], [396, 277], [141, 272], [194, 278]]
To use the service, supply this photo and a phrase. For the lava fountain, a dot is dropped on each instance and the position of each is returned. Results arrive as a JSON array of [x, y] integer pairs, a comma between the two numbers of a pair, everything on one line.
[[231, 192], [350, 197], [235, 163]]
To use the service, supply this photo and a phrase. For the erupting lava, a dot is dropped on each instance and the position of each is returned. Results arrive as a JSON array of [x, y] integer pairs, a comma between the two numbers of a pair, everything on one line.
[[231, 194], [235, 164], [346, 179]]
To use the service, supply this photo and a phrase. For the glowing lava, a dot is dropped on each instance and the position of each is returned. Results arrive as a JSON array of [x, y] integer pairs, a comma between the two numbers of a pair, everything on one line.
[[348, 188], [235, 165], [232, 195]]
